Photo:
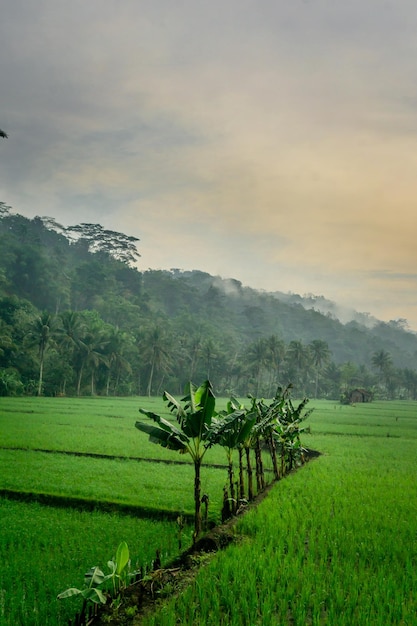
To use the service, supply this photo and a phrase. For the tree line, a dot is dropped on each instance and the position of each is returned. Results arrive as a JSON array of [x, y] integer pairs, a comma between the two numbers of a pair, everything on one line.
[[77, 317], [78, 353]]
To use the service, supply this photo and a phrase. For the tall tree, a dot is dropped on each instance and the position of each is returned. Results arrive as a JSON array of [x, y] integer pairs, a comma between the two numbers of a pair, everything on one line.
[[116, 343], [320, 356], [40, 335], [117, 245], [154, 348], [276, 356], [95, 342], [257, 360], [70, 336], [298, 358], [382, 361]]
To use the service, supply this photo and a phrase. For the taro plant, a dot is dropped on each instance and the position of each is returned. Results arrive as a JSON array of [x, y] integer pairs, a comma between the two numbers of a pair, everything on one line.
[[193, 435]]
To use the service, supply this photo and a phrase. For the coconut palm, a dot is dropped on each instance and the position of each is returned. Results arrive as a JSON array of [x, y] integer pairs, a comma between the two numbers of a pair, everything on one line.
[[276, 356], [89, 352], [70, 335], [95, 343], [257, 358], [320, 356], [381, 360], [116, 343], [154, 347], [297, 358], [42, 331]]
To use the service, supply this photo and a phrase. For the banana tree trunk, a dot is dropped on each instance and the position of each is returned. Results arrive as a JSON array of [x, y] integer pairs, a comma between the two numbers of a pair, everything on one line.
[[197, 499], [249, 473], [241, 478], [232, 484], [260, 478], [273, 451]]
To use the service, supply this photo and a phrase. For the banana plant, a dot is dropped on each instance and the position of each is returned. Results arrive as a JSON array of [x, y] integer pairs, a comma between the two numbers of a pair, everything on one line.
[[193, 435], [232, 428], [287, 432], [95, 580], [256, 412], [269, 416]]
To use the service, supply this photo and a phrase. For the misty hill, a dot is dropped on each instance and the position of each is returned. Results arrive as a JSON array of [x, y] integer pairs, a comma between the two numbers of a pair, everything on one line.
[[258, 314], [85, 268]]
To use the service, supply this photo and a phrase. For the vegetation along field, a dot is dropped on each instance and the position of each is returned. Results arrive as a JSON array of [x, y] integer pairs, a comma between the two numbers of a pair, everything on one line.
[[333, 543]]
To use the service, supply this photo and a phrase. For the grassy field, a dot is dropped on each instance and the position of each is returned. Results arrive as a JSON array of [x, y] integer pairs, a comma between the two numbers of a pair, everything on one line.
[[334, 543], [44, 550], [47, 449]]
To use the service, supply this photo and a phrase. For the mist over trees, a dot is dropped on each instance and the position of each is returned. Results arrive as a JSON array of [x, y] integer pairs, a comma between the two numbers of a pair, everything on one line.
[[77, 317]]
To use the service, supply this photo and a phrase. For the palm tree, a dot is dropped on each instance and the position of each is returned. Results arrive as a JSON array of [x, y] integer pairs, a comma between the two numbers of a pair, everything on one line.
[[276, 356], [154, 346], [3, 134], [89, 351], [257, 360], [209, 354], [297, 357], [382, 361], [349, 375], [42, 331], [95, 343], [320, 355], [409, 378], [70, 335], [116, 342], [194, 434], [332, 376]]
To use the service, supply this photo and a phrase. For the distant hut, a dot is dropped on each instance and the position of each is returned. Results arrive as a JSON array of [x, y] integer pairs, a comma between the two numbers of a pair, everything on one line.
[[357, 395]]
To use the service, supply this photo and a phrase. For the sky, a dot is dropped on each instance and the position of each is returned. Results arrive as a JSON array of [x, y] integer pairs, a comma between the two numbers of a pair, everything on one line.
[[270, 141]]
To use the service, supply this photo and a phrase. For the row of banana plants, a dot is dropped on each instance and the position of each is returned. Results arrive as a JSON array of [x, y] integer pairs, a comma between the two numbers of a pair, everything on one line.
[[275, 426]]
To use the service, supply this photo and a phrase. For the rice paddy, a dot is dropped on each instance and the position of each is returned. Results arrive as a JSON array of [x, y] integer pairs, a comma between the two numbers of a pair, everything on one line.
[[334, 543]]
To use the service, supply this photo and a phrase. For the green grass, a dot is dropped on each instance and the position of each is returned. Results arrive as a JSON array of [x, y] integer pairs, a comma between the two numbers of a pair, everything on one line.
[[335, 543], [44, 550], [48, 549], [151, 486], [88, 425], [104, 426]]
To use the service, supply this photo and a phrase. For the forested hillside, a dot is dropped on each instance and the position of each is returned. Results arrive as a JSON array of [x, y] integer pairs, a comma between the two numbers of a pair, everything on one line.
[[77, 317]]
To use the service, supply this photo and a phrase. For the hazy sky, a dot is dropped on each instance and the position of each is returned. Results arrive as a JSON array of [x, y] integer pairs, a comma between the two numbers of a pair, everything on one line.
[[272, 141]]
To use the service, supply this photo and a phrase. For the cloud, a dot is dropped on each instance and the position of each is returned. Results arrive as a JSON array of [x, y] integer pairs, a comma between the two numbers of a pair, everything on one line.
[[269, 141]]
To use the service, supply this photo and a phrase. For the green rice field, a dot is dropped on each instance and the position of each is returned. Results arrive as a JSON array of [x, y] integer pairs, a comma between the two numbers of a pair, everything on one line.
[[333, 543]]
